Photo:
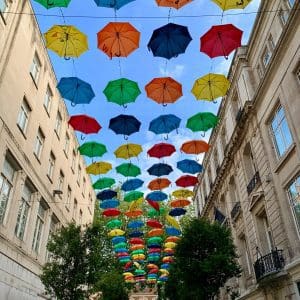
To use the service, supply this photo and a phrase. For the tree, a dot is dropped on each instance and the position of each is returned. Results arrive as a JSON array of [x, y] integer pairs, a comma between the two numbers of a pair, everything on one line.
[[205, 259]]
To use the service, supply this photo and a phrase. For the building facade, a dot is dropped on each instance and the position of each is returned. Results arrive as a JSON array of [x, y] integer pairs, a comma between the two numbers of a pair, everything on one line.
[[251, 178], [43, 182]]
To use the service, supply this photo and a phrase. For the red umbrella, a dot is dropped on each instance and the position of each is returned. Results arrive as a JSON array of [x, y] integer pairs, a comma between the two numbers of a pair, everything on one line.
[[85, 124], [135, 241], [154, 224], [221, 40], [159, 184], [186, 180], [154, 204], [111, 212], [160, 150]]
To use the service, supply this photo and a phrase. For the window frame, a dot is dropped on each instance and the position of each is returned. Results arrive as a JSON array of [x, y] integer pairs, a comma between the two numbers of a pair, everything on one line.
[[48, 100], [24, 114], [40, 140], [291, 200], [51, 165], [35, 69], [58, 124], [67, 144], [265, 52], [39, 228]]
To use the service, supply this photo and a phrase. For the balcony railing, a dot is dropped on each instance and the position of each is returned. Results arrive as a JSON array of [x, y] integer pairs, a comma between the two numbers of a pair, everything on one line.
[[235, 210], [269, 264], [253, 183]]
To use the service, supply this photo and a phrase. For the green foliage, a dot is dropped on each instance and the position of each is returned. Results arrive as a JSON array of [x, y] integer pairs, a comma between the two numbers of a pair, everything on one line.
[[205, 259]]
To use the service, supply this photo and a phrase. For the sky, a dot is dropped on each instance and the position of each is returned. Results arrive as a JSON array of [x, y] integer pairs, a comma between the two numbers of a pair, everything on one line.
[[141, 66]]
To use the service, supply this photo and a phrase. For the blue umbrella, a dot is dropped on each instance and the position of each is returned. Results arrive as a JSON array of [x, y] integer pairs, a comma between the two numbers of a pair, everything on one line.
[[189, 166], [170, 40], [135, 234], [178, 211], [160, 169], [164, 124], [172, 231], [157, 196], [111, 203], [75, 90], [131, 184], [135, 224], [118, 239], [165, 266], [106, 194], [116, 4], [120, 250], [124, 124]]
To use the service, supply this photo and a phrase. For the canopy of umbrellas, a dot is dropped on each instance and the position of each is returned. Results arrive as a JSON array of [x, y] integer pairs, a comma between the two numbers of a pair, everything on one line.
[[144, 236]]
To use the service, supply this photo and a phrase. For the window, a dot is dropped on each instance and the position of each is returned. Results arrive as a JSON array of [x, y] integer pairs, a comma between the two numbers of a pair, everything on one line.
[[83, 186], [90, 207], [290, 3], [264, 233], [75, 207], [298, 74], [294, 197], [39, 143], [48, 100], [54, 225], [38, 230], [51, 165], [80, 217], [73, 160], [271, 42], [23, 212], [69, 194], [245, 256], [79, 175], [249, 163], [266, 57], [281, 134], [58, 122], [283, 15], [35, 68], [259, 71], [24, 115], [61, 180], [67, 144]]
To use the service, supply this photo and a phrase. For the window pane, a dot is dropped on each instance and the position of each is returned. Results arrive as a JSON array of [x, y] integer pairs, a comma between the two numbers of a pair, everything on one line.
[[294, 195], [47, 100]]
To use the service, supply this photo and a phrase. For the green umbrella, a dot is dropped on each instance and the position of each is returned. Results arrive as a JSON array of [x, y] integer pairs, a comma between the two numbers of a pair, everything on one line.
[[202, 121], [115, 223], [133, 195], [92, 149], [154, 213], [128, 169], [104, 182], [134, 252], [53, 3], [155, 239], [120, 245]]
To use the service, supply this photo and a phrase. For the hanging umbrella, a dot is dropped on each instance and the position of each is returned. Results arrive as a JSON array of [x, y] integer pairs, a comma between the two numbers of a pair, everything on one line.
[[195, 147], [157, 196], [135, 233], [116, 4], [136, 241], [161, 150], [164, 124], [115, 223], [92, 149], [75, 90], [154, 213], [173, 3], [133, 196], [117, 239], [202, 121], [183, 193], [189, 166], [160, 169], [154, 204], [210, 87], [135, 224], [172, 222], [66, 41], [136, 204], [134, 214], [174, 239], [116, 232], [180, 203], [164, 90], [53, 3], [221, 40], [102, 183], [186, 181], [106, 194], [118, 39], [176, 212], [169, 40], [128, 170], [154, 223], [111, 203], [159, 184], [124, 124], [231, 4], [112, 212], [172, 231], [84, 123], [132, 184], [155, 232], [99, 168], [128, 150]]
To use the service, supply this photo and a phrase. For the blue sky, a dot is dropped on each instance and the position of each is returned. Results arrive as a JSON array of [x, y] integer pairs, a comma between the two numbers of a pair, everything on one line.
[[97, 69]]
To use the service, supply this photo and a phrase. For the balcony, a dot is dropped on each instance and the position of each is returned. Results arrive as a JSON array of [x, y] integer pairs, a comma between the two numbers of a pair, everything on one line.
[[269, 264], [254, 182], [235, 210]]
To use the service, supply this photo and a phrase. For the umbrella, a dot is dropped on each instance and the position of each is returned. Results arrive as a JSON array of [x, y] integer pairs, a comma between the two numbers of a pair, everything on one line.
[[155, 232], [161, 150], [173, 3], [84, 123], [169, 40], [159, 184], [189, 166], [112, 203], [154, 213], [202, 121], [75, 90], [135, 233], [172, 231], [118, 39], [135, 204], [178, 211], [210, 87], [128, 169], [195, 147], [53, 3], [135, 224], [186, 181], [106, 194], [174, 239], [221, 40], [133, 214], [183, 193], [231, 4], [99, 168], [116, 4], [132, 184], [136, 241], [172, 222], [180, 203], [112, 212], [154, 239], [102, 183], [164, 90], [124, 124], [92, 149], [115, 223], [154, 224], [116, 232], [133, 196], [170, 245], [117, 239], [154, 204], [164, 124], [157, 196], [122, 91], [128, 150], [66, 41], [160, 169]]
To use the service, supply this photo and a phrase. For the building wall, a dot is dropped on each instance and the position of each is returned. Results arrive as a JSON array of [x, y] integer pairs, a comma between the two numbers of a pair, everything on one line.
[[20, 260]]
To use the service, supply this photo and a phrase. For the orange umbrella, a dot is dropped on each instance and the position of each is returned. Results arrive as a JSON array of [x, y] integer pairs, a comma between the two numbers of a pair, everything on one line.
[[118, 39], [159, 184], [173, 3], [134, 213], [195, 147], [180, 203], [174, 239], [164, 90], [155, 232]]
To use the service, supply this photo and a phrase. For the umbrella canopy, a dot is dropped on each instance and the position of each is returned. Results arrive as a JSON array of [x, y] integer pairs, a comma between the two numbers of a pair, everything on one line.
[[124, 124], [180, 203], [117, 239], [186, 181], [173, 231], [133, 196], [111, 203], [99, 168], [106, 194], [118, 39], [164, 124], [134, 214], [66, 41], [128, 150], [164, 90], [172, 222], [173, 3], [103, 183], [154, 204], [92, 149], [210, 87], [161, 150], [221, 40], [53, 3], [154, 213], [85, 124], [128, 170], [116, 4], [135, 204], [176, 212], [155, 232], [122, 91], [160, 170], [135, 233], [116, 232], [169, 40], [136, 241], [195, 147], [159, 184], [157, 196], [75, 90], [135, 224], [202, 121], [132, 184], [154, 223], [189, 166], [174, 239], [231, 4], [112, 212], [183, 193]]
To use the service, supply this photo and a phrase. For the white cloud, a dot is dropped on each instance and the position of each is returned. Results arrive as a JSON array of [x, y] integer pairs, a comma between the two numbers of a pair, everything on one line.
[[175, 71]]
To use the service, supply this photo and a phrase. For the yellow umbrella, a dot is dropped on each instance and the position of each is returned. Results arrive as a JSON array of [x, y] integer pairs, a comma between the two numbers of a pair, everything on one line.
[[164, 271], [172, 222], [210, 87], [182, 193], [128, 150], [127, 274], [66, 41], [99, 168], [232, 4], [135, 204], [171, 245], [116, 232]]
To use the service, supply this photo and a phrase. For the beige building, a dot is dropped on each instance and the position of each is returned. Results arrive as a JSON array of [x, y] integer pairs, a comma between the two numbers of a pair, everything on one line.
[[251, 181], [43, 182]]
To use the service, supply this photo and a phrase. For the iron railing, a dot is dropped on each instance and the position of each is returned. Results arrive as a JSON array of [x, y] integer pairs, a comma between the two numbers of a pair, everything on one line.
[[253, 183]]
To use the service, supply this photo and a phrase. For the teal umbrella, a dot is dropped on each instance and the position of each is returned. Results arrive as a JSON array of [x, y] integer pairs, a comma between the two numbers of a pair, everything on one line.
[[53, 3], [202, 122], [92, 149]]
